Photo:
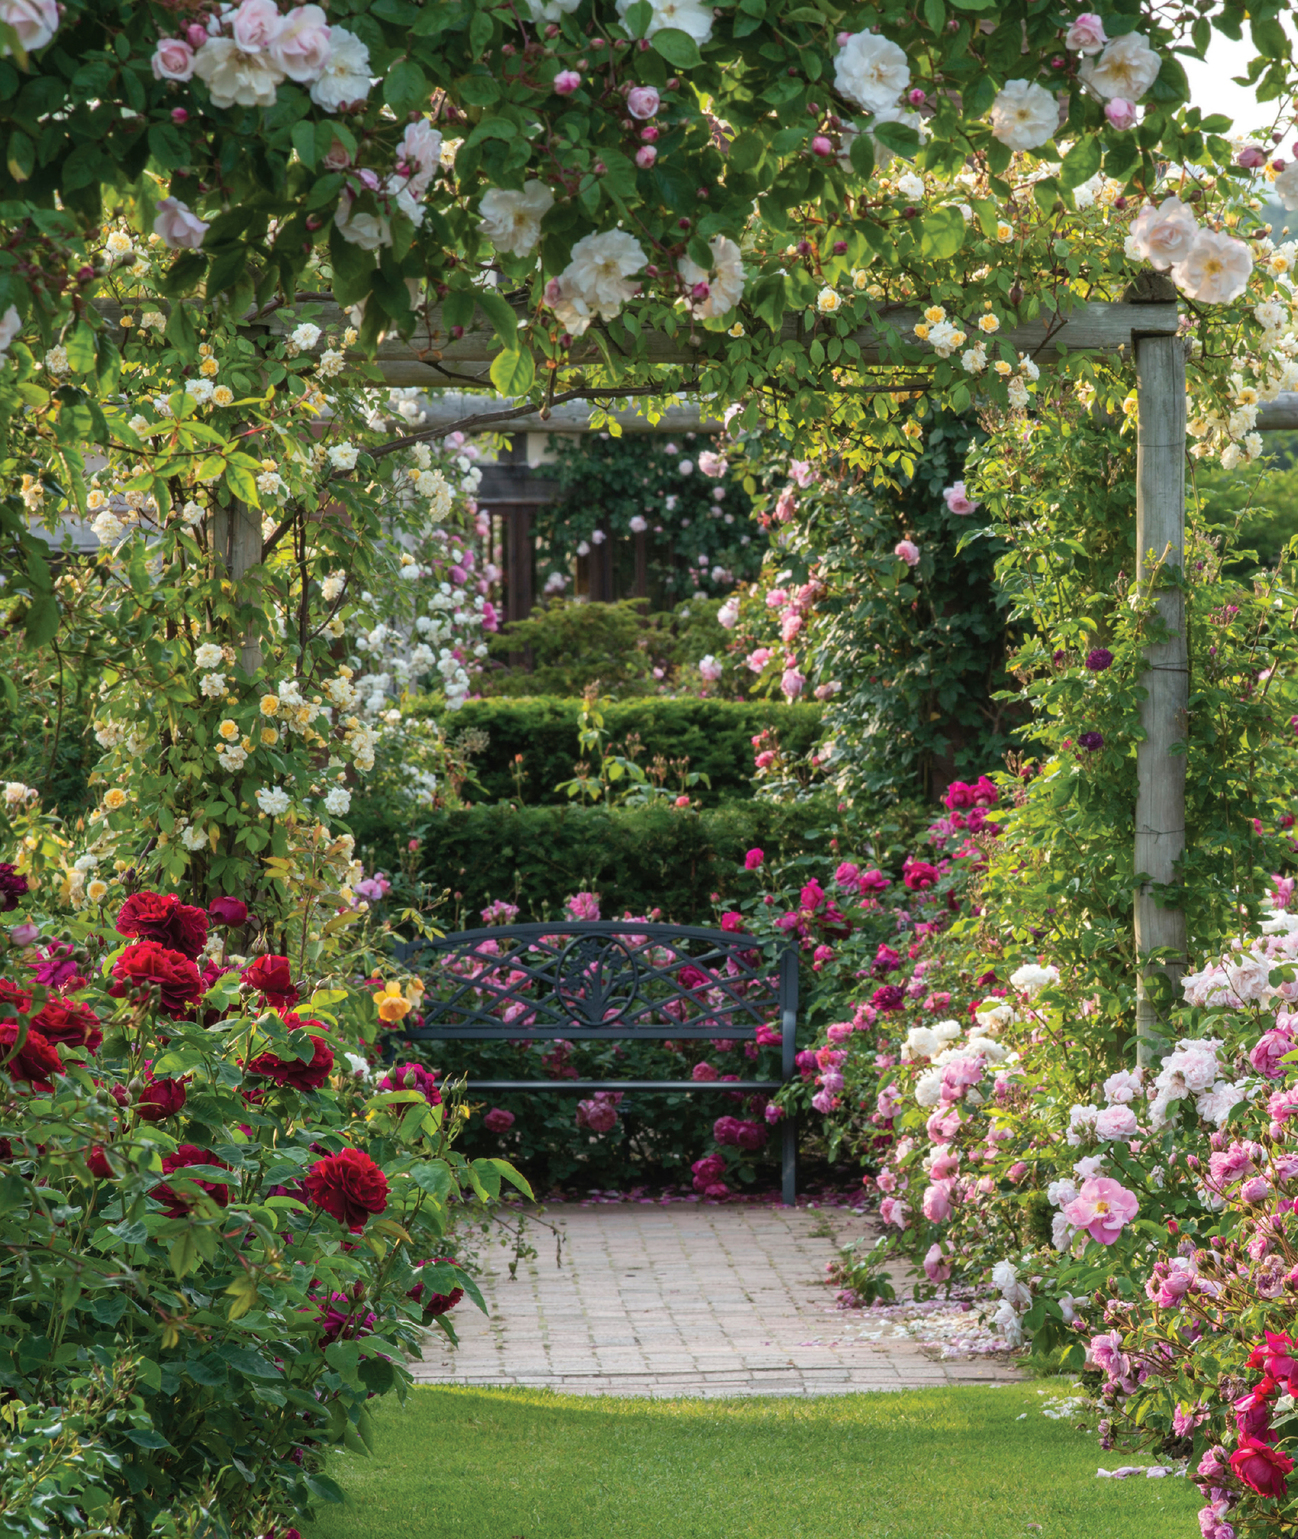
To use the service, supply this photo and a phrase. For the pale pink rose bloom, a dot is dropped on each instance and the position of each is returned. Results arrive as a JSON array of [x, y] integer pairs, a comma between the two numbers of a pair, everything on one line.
[[786, 506], [566, 82], [642, 102], [420, 150], [957, 498], [937, 1202], [1121, 113], [173, 59], [792, 683], [338, 157], [256, 25], [177, 226], [946, 1162], [1216, 270], [936, 1267], [802, 472], [1116, 1122], [1087, 34], [301, 46], [907, 551], [713, 465], [1268, 1052], [790, 626], [758, 659], [645, 156], [1103, 1208], [35, 22], [1165, 234]]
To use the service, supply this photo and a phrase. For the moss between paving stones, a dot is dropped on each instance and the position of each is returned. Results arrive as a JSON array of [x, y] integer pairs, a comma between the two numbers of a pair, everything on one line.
[[927, 1464]]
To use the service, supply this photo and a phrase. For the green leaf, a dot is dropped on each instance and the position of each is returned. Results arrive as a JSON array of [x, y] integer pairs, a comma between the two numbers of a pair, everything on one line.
[[434, 1178], [514, 1177], [513, 373], [941, 234], [638, 17], [20, 157], [183, 1253], [13, 1192], [1081, 162], [41, 622], [860, 152], [677, 47], [242, 483], [405, 87], [501, 315], [900, 138]]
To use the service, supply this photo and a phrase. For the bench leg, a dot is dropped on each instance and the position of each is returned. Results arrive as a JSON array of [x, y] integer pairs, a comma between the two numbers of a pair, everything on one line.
[[790, 1183]]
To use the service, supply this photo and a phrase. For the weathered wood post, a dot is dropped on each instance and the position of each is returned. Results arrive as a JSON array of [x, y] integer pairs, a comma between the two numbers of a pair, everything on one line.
[[1160, 758], [236, 544]]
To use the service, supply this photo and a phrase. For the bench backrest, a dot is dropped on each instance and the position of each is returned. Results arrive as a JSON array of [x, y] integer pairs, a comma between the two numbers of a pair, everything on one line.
[[604, 980]]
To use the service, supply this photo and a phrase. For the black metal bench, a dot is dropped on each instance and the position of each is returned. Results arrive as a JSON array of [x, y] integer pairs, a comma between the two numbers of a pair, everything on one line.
[[611, 980]]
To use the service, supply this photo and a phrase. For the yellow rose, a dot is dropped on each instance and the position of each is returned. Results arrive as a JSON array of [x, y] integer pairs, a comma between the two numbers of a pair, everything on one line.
[[269, 704], [228, 729], [115, 799]]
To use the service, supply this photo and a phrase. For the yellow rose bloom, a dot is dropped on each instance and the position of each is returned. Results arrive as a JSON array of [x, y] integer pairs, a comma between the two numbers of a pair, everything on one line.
[[988, 323], [269, 736], [827, 301], [921, 331], [97, 891], [269, 704], [209, 366], [115, 799], [228, 729], [222, 396], [934, 315]]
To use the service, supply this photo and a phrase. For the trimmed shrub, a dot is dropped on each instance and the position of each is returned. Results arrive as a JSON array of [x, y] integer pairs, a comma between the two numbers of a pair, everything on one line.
[[716, 735]]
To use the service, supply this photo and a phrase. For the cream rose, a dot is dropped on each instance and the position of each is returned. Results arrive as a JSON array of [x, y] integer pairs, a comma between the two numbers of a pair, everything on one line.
[[301, 46], [871, 71], [1164, 235], [1127, 68], [1025, 115], [1216, 269]]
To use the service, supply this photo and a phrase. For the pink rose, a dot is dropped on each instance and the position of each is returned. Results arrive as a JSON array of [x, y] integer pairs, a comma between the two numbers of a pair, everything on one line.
[[642, 102], [946, 1162], [1164, 234], [753, 859], [757, 660], [566, 82], [173, 59], [957, 499], [35, 22], [177, 226], [645, 156], [1255, 1189], [1103, 1208], [1116, 1122], [937, 1202], [1120, 113], [1016, 1172], [498, 1120], [936, 1267], [301, 46], [792, 683], [256, 25], [1087, 34], [907, 551], [1268, 1052]]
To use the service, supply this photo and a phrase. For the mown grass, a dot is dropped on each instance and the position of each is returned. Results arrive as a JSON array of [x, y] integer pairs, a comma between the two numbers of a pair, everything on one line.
[[929, 1464]]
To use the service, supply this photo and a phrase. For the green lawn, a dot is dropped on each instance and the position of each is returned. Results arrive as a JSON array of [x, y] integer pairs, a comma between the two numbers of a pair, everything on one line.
[[930, 1464]]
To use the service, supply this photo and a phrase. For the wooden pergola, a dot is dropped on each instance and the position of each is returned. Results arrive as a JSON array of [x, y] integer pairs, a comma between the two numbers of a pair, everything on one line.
[[1145, 326]]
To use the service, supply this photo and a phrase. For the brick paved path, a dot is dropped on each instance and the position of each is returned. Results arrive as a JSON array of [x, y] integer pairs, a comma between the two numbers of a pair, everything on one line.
[[684, 1300]]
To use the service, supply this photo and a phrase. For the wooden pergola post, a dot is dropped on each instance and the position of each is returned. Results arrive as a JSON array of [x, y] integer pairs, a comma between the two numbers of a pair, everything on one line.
[[1160, 757], [236, 544]]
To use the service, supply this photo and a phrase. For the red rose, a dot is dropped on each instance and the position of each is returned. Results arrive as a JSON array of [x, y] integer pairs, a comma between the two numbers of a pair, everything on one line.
[[1260, 1467], [147, 965], [162, 917], [272, 978], [436, 1303], [186, 1155], [350, 1186], [97, 1160], [292, 1071], [228, 911], [34, 1062], [11, 994], [160, 1099], [919, 876], [72, 1024]]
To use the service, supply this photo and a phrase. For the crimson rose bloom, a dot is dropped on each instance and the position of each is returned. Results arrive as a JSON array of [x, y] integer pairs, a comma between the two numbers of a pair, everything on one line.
[[11, 994], [186, 1155], [72, 1024], [228, 911], [1260, 1467], [436, 1303], [12, 887], [272, 978], [97, 1160], [160, 1099], [35, 1062], [147, 965], [349, 1185], [164, 918], [919, 876], [292, 1071]]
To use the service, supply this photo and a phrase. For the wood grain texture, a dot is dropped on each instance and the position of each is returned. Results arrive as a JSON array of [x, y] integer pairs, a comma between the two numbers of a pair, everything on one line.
[[1160, 758]]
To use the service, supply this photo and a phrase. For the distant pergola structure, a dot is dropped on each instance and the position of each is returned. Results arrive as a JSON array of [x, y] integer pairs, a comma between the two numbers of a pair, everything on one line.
[[1145, 325]]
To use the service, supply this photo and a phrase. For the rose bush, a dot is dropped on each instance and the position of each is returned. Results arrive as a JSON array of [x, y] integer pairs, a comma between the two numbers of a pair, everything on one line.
[[220, 1240]]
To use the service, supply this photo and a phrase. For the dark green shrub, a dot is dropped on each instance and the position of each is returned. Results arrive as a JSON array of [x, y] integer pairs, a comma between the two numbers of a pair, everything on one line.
[[573, 646], [714, 734]]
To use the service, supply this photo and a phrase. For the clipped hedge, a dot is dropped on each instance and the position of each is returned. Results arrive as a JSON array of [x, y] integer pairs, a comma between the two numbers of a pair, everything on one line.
[[715, 734], [637, 859]]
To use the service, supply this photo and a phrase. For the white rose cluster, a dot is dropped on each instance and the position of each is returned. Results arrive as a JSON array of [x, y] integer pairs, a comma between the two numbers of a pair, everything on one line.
[[597, 280]]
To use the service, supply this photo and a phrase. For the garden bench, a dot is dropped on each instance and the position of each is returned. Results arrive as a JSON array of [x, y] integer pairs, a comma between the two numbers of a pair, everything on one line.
[[611, 981]]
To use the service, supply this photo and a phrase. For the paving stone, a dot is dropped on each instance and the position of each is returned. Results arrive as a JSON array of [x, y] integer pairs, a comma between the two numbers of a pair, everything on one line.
[[682, 1300]]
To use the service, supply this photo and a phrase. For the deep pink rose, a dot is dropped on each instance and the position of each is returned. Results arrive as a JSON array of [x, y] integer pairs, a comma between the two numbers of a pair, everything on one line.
[[1103, 1208]]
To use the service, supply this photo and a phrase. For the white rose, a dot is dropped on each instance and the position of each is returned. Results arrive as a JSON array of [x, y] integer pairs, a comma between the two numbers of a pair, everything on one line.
[[35, 22], [346, 76], [871, 71], [301, 47], [11, 323], [683, 15], [343, 457], [177, 226], [598, 273], [368, 231], [1127, 68], [551, 10], [235, 78], [725, 281], [1025, 115], [273, 800], [511, 221], [338, 801], [1216, 270], [1164, 235], [256, 24], [1285, 185], [421, 150]]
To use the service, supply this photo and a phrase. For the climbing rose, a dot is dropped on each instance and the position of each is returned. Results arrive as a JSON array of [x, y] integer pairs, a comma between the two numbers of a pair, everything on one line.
[[75, 1025], [958, 500], [349, 1186], [164, 918], [273, 979], [147, 965], [1099, 659], [908, 551], [35, 1061]]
